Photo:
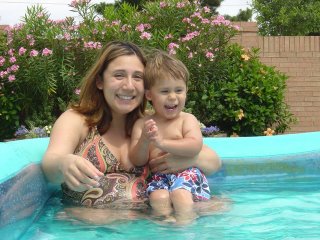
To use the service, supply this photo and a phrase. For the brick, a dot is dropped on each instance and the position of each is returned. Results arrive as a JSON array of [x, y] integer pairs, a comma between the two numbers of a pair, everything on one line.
[[276, 44], [265, 44], [306, 44], [301, 104], [288, 54], [271, 54], [292, 45], [286, 44], [282, 44], [316, 44], [316, 104], [271, 44], [296, 44], [312, 43], [312, 99], [301, 44], [305, 54]]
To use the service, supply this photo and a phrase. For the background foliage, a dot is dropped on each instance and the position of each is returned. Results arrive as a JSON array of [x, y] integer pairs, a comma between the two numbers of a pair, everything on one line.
[[293, 18], [42, 63]]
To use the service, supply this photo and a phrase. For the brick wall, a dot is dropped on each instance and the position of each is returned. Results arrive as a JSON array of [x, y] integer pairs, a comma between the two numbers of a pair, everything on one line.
[[297, 57]]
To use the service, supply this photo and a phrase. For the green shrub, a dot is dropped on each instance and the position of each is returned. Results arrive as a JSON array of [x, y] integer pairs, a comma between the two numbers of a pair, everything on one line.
[[53, 56], [242, 96]]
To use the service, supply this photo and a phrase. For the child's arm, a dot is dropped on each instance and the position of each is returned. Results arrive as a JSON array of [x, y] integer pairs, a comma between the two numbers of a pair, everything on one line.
[[139, 148], [189, 145]]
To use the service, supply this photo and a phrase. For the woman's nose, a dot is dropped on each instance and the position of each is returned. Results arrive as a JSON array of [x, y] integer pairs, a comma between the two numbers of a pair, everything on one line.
[[128, 83]]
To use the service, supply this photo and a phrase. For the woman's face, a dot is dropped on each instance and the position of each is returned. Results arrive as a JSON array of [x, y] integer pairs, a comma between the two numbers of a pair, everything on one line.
[[122, 84]]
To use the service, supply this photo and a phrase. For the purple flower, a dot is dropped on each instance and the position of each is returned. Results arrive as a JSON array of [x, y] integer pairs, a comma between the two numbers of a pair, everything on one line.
[[21, 131], [210, 130]]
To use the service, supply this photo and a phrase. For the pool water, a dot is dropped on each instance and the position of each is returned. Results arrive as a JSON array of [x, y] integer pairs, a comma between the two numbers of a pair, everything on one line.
[[278, 206]]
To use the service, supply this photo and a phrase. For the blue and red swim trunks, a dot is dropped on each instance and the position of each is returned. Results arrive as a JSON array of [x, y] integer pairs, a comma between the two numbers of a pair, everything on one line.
[[191, 179]]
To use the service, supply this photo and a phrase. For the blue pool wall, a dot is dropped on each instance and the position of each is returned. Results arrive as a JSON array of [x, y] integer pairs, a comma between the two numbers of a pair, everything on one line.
[[24, 189]]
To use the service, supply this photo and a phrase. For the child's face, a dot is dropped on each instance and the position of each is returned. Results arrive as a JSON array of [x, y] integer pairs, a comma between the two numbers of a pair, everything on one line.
[[168, 97]]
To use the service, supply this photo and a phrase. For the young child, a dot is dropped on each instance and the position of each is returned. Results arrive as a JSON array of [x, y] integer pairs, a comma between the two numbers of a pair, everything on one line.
[[169, 130]]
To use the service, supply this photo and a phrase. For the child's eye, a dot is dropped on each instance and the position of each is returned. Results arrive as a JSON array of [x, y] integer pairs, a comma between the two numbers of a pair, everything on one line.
[[164, 91]]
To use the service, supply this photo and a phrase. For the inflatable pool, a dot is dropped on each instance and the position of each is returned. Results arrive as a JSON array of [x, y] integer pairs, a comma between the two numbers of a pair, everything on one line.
[[24, 190]]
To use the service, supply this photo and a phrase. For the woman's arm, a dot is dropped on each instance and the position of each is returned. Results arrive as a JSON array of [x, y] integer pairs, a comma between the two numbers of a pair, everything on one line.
[[59, 164], [207, 160]]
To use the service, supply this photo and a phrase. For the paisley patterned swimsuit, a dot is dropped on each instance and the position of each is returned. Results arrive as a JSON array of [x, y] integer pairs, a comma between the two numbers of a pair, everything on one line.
[[119, 188]]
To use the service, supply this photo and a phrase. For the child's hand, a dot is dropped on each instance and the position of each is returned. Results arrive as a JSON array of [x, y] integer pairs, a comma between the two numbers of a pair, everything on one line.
[[152, 132]]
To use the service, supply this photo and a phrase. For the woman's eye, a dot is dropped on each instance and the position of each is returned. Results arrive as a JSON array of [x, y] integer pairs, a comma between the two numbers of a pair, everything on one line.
[[138, 77], [118, 76]]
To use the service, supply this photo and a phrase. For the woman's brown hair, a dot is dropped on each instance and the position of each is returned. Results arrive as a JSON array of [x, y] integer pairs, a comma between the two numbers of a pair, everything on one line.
[[92, 103]]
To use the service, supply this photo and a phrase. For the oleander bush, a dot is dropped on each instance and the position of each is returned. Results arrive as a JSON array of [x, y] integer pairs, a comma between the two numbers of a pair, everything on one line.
[[42, 63]]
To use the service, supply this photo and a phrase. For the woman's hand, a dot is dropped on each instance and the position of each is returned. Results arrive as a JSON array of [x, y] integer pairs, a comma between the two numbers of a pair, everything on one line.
[[79, 174], [168, 163], [207, 161]]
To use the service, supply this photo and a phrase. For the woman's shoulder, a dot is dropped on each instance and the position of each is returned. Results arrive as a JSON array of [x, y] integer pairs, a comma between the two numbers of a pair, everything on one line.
[[71, 119], [72, 115]]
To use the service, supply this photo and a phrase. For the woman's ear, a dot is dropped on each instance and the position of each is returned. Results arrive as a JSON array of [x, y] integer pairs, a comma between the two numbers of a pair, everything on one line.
[[148, 95], [99, 82]]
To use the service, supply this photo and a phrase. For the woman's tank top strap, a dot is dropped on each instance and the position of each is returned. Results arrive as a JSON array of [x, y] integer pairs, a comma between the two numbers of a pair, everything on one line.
[[93, 132], [95, 150]]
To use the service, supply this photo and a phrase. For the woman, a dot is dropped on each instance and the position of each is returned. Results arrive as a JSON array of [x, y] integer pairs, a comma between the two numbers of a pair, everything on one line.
[[89, 144]]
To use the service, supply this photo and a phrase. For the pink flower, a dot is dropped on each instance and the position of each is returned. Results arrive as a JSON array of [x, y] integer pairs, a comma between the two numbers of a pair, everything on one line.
[[163, 4], [11, 78], [145, 35], [76, 3], [34, 53], [77, 91], [236, 27], [12, 60], [11, 52], [190, 36], [140, 28], [46, 52], [196, 14], [14, 68], [92, 45], [2, 61], [115, 23], [31, 43], [22, 51], [186, 20], [168, 36], [172, 48], [206, 9], [190, 55], [210, 56], [3, 74], [31, 39], [67, 36], [205, 21], [181, 5], [173, 45]]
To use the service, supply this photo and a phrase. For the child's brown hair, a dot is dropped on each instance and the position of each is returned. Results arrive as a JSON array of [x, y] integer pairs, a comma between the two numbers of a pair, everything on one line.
[[161, 65]]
